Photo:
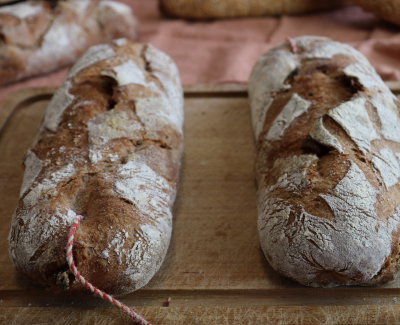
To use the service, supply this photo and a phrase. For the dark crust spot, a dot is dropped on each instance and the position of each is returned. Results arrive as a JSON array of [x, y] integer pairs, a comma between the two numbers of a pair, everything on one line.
[[311, 146]]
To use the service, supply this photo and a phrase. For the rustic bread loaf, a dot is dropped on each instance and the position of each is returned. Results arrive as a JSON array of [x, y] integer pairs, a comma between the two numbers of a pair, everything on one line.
[[328, 149], [386, 9], [109, 149], [211, 9], [40, 36]]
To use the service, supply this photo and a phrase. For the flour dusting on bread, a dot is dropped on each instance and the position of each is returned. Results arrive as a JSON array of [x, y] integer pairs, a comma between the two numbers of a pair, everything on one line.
[[328, 197], [111, 153], [294, 108], [50, 35], [22, 10], [269, 75], [354, 119], [320, 134]]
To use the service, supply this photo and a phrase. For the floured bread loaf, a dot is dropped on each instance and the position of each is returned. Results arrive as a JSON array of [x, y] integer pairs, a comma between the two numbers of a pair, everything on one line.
[[211, 9], [328, 150], [109, 149], [40, 36]]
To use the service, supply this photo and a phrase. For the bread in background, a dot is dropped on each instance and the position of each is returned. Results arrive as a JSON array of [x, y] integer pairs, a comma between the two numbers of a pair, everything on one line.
[[37, 37], [388, 10], [212, 9]]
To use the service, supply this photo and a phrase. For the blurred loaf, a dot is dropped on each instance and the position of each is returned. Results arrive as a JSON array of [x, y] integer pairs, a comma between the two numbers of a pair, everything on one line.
[[214, 9], [388, 10], [37, 37]]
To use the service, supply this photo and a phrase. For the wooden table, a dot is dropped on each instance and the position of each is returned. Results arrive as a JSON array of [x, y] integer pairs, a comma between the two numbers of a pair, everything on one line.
[[215, 271]]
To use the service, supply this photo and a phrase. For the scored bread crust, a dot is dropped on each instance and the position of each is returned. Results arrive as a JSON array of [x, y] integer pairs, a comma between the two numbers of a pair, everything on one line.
[[41, 36], [327, 130], [211, 9], [109, 149]]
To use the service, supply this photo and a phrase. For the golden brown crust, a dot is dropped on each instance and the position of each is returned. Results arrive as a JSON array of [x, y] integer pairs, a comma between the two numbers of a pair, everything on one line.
[[40, 36], [111, 153], [388, 10], [210, 9]]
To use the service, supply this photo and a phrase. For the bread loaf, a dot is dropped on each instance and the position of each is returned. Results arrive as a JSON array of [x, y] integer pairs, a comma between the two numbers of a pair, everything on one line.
[[40, 36], [211, 9], [328, 149], [386, 9], [109, 149]]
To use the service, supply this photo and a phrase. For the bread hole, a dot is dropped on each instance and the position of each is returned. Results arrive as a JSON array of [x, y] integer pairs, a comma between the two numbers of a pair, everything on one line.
[[325, 68], [108, 84], [2, 39], [126, 201], [310, 146], [362, 159], [164, 146], [292, 75], [90, 251], [111, 104], [103, 85], [160, 143], [350, 83], [53, 3], [69, 181], [88, 176]]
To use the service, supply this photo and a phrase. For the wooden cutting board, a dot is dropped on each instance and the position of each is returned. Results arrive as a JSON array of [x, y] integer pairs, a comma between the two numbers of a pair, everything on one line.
[[215, 271]]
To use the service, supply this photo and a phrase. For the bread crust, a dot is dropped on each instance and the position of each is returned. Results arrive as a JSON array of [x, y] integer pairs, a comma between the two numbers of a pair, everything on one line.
[[109, 149], [211, 9], [327, 164], [41, 36], [388, 10]]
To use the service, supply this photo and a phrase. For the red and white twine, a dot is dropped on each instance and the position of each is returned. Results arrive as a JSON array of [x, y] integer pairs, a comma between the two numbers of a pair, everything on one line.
[[292, 44], [126, 310]]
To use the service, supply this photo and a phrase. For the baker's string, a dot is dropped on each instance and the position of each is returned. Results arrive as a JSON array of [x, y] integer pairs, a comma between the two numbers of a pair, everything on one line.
[[93, 289], [292, 44]]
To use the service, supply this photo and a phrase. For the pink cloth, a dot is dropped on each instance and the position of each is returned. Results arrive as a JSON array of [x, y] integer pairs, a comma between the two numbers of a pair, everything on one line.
[[225, 50]]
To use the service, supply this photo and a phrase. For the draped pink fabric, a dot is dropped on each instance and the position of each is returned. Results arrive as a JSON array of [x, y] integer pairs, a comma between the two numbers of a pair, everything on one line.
[[225, 50]]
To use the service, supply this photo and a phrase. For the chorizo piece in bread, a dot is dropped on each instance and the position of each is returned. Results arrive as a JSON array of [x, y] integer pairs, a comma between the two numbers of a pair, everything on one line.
[[108, 149], [40, 36], [327, 130]]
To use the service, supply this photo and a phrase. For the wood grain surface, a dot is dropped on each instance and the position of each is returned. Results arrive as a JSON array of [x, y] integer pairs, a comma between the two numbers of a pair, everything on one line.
[[215, 271]]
